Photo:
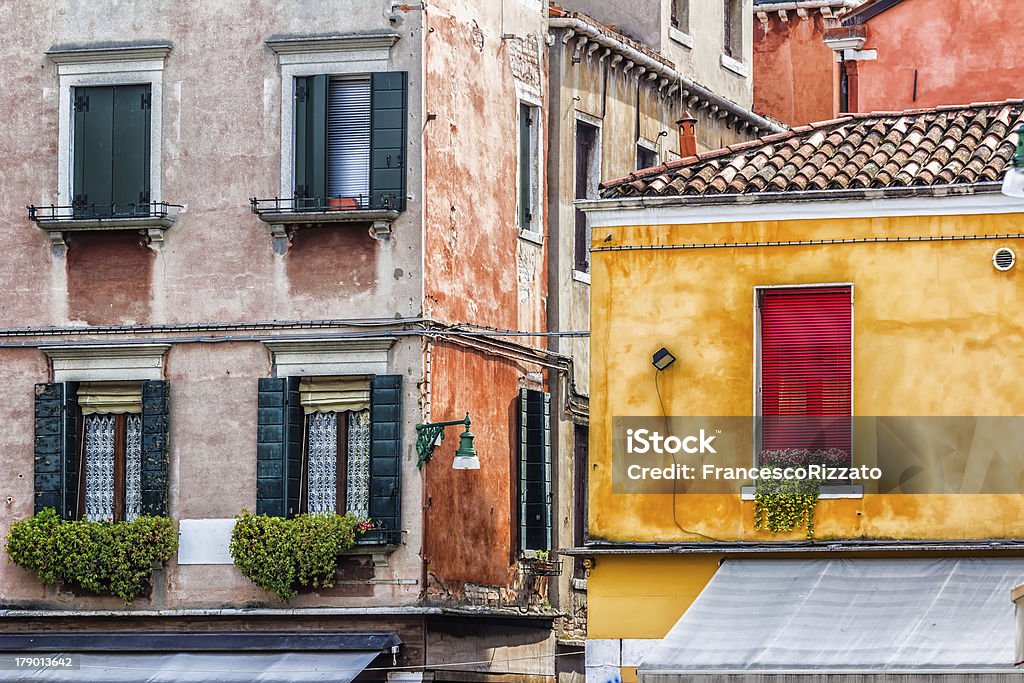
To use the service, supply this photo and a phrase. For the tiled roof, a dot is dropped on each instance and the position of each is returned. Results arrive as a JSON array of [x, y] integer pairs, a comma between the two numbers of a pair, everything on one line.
[[949, 145]]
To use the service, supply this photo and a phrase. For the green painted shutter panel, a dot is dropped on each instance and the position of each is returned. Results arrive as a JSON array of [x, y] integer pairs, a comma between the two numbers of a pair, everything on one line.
[[388, 121], [93, 149], [155, 421], [534, 470], [525, 181], [294, 435], [278, 446], [385, 457], [130, 175], [56, 452], [310, 140]]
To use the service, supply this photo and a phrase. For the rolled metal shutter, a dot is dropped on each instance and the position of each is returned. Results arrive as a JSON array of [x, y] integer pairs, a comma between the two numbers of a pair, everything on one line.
[[348, 139], [806, 368]]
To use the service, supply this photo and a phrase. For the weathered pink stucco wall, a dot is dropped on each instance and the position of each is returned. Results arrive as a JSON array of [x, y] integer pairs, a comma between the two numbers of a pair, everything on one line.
[[794, 71], [964, 51]]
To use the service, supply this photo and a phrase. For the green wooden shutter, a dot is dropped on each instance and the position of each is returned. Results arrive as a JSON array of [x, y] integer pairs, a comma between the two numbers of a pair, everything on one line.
[[278, 446], [385, 457], [534, 470], [56, 451], [155, 421], [130, 175], [310, 140], [388, 119], [93, 145]]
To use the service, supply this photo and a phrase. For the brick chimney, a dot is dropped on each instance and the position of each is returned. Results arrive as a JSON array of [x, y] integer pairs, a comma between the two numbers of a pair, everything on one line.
[[687, 135]]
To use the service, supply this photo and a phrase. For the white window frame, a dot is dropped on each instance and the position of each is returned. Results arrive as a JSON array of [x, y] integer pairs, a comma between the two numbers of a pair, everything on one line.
[[108, 67], [833, 491], [526, 96], [357, 55]]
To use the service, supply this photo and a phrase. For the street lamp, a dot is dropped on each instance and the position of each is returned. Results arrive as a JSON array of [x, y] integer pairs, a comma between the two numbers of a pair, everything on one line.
[[430, 434], [1013, 181]]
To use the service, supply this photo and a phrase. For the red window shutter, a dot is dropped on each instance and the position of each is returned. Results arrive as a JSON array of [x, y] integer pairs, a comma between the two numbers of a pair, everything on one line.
[[806, 368]]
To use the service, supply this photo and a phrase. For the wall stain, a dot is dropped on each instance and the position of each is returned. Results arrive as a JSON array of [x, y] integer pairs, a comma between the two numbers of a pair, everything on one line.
[[109, 278], [331, 261]]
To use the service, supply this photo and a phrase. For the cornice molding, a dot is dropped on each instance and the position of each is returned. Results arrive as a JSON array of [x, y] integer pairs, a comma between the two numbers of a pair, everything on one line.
[[110, 53], [332, 43]]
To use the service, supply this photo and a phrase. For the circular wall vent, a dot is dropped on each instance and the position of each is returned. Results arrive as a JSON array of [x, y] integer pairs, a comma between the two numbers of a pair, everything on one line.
[[1004, 258]]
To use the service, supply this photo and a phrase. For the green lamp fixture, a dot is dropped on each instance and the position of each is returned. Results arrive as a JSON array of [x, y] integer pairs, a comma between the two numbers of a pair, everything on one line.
[[429, 436], [1013, 181]]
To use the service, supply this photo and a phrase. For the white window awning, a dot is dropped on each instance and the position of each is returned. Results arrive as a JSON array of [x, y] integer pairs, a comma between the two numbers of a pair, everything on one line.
[[845, 615], [191, 657]]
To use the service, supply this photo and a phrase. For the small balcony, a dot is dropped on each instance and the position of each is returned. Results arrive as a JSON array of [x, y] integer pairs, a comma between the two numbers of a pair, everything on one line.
[[151, 217], [284, 213]]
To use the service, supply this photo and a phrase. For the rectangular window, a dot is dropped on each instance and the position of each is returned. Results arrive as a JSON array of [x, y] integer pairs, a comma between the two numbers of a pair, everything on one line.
[[331, 443], [528, 186], [110, 480], [645, 157], [681, 15], [587, 171], [336, 448], [350, 138], [111, 150], [806, 383], [535, 493], [581, 465], [733, 25]]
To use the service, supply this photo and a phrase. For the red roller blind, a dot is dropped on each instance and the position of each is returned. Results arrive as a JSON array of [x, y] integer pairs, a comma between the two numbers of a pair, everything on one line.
[[806, 379]]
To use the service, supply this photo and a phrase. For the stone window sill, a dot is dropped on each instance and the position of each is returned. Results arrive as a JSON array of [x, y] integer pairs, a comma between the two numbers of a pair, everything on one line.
[[380, 220], [580, 276], [735, 66], [684, 39], [152, 226], [834, 492], [531, 236]]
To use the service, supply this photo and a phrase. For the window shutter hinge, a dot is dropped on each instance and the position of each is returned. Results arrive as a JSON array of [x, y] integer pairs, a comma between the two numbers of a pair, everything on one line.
[[81, 103], [300, 93], [147, 100]]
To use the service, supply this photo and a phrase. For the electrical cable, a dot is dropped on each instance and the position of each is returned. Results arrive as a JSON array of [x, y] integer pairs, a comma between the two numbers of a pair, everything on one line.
[[675, 480]]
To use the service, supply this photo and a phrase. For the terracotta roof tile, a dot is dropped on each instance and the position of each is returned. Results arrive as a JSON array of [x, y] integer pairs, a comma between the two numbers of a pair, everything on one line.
[[942, 146]]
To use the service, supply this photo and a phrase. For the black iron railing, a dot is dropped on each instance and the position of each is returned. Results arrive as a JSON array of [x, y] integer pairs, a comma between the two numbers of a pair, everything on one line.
[[277, 205], [78, 212]]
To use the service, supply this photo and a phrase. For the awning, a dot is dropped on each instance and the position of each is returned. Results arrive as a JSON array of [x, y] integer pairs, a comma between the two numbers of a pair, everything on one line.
[[862, 615], [192, 657]]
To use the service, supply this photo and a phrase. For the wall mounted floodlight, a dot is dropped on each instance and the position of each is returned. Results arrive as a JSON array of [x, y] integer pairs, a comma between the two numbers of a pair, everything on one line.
[[662, 359], [430, 434]]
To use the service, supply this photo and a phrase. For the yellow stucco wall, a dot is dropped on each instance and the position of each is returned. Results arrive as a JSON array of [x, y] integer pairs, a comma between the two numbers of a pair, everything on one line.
[[937, 331]]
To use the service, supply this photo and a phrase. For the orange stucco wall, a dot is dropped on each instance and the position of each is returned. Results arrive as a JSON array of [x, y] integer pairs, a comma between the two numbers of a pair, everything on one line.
[[795, 80], [963, 50]]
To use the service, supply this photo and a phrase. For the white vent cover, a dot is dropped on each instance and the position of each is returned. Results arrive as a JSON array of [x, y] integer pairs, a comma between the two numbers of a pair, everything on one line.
[[1004, 258]]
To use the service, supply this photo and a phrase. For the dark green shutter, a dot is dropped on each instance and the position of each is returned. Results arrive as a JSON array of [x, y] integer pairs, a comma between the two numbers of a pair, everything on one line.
[[132, 109], [388, 119], [93, 145], [525, 169], [111, 149], [534, 470], [278, 446], [155, 419], [56, 448], [385, 457], [310, 140]]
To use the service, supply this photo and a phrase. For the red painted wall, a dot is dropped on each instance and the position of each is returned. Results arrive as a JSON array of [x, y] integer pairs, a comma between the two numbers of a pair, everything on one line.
[[794, 71], [964, 51]]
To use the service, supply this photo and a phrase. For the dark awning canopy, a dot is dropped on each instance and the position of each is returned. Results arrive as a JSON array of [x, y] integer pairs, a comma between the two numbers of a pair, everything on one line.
[[846, 615], [193, 657]]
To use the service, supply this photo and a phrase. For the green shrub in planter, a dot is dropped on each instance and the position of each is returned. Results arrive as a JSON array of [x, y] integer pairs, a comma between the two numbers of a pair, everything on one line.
[[283, 556], [107, 558], [781, 505]]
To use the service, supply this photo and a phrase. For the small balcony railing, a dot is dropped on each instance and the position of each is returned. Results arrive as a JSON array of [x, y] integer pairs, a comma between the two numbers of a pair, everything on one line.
[[84, 212], [299, 205]]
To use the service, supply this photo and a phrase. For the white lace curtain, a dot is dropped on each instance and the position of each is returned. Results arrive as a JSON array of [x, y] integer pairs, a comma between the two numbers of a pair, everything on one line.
[[100, 433], [322, 459]]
